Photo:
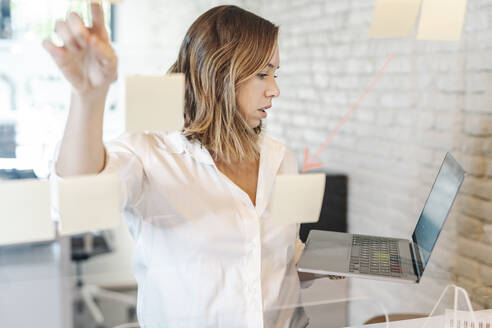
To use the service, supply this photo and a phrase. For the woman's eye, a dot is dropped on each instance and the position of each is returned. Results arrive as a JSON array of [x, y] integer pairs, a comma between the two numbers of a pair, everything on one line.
[[262, 75]]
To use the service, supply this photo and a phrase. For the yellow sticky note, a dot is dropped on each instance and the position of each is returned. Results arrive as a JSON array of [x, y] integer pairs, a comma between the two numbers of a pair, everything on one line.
[[89, 203], [297, 198], [394, 18], [25, 212], [441, 20], [154, 103]]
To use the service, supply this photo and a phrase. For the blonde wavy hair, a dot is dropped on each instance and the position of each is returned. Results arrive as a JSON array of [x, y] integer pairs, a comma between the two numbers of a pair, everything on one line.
[[223, 48]]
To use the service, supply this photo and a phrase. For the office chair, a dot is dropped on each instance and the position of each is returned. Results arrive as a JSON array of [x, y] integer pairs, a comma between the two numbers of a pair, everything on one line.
[[84, 247]]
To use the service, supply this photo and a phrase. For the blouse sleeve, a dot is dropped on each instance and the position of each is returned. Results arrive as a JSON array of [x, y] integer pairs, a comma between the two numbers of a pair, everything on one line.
[[123, 156]]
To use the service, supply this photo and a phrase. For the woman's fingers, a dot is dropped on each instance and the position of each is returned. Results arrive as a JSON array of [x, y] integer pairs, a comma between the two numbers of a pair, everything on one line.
[[98, 22], [335, 277], [86, 58], [57, 53], [78, 30], [66, 35]]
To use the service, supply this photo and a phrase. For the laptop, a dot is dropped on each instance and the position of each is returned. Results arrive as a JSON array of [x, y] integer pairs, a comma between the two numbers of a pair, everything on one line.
[[373, 257]]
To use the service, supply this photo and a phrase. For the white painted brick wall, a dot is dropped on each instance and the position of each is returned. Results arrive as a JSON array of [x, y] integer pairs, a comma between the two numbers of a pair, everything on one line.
[[433, 97]]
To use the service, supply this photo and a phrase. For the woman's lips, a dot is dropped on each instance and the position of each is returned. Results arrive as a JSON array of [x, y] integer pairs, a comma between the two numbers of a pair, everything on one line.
[[263, 113]]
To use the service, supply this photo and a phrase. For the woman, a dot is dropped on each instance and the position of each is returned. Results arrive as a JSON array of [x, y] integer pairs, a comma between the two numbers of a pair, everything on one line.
[[198, 201]]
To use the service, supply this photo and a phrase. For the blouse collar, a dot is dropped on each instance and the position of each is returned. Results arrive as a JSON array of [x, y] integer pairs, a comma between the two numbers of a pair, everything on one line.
[[179, 144]]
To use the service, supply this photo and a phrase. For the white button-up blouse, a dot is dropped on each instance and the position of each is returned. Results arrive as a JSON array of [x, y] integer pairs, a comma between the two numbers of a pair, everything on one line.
[[205, 256]]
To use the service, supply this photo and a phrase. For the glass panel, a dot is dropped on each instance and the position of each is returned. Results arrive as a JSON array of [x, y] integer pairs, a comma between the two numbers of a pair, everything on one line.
[[44, 281], [68, 283]]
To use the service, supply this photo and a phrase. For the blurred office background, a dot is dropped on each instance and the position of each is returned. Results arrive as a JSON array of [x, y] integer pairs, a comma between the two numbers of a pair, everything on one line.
[[434, 97]]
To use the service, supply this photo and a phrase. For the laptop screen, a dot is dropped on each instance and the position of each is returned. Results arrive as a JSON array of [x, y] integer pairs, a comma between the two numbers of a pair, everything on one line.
[[437, 207]]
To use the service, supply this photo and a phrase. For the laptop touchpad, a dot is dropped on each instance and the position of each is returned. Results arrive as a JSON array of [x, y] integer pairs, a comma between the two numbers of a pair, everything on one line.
[[328, 251]]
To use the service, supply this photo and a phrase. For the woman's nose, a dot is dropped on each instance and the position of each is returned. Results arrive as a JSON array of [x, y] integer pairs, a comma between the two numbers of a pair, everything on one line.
[[272, 89]]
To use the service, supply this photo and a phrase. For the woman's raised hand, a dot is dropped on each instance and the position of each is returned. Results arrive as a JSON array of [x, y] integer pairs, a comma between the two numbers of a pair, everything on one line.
[[86, 59]]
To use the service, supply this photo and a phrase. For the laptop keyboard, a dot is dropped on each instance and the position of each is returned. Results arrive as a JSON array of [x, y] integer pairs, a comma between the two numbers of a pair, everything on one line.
[[373, 255]]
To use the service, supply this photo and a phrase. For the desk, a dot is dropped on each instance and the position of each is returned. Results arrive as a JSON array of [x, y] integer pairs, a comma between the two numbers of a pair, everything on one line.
[[434, 322]]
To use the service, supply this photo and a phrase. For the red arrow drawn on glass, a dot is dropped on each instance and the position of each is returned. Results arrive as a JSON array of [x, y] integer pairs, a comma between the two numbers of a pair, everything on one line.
[[310, 164]]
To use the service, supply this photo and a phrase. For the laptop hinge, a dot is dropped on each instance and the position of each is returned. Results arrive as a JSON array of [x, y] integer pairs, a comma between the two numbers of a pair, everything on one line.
[[416, 259]]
